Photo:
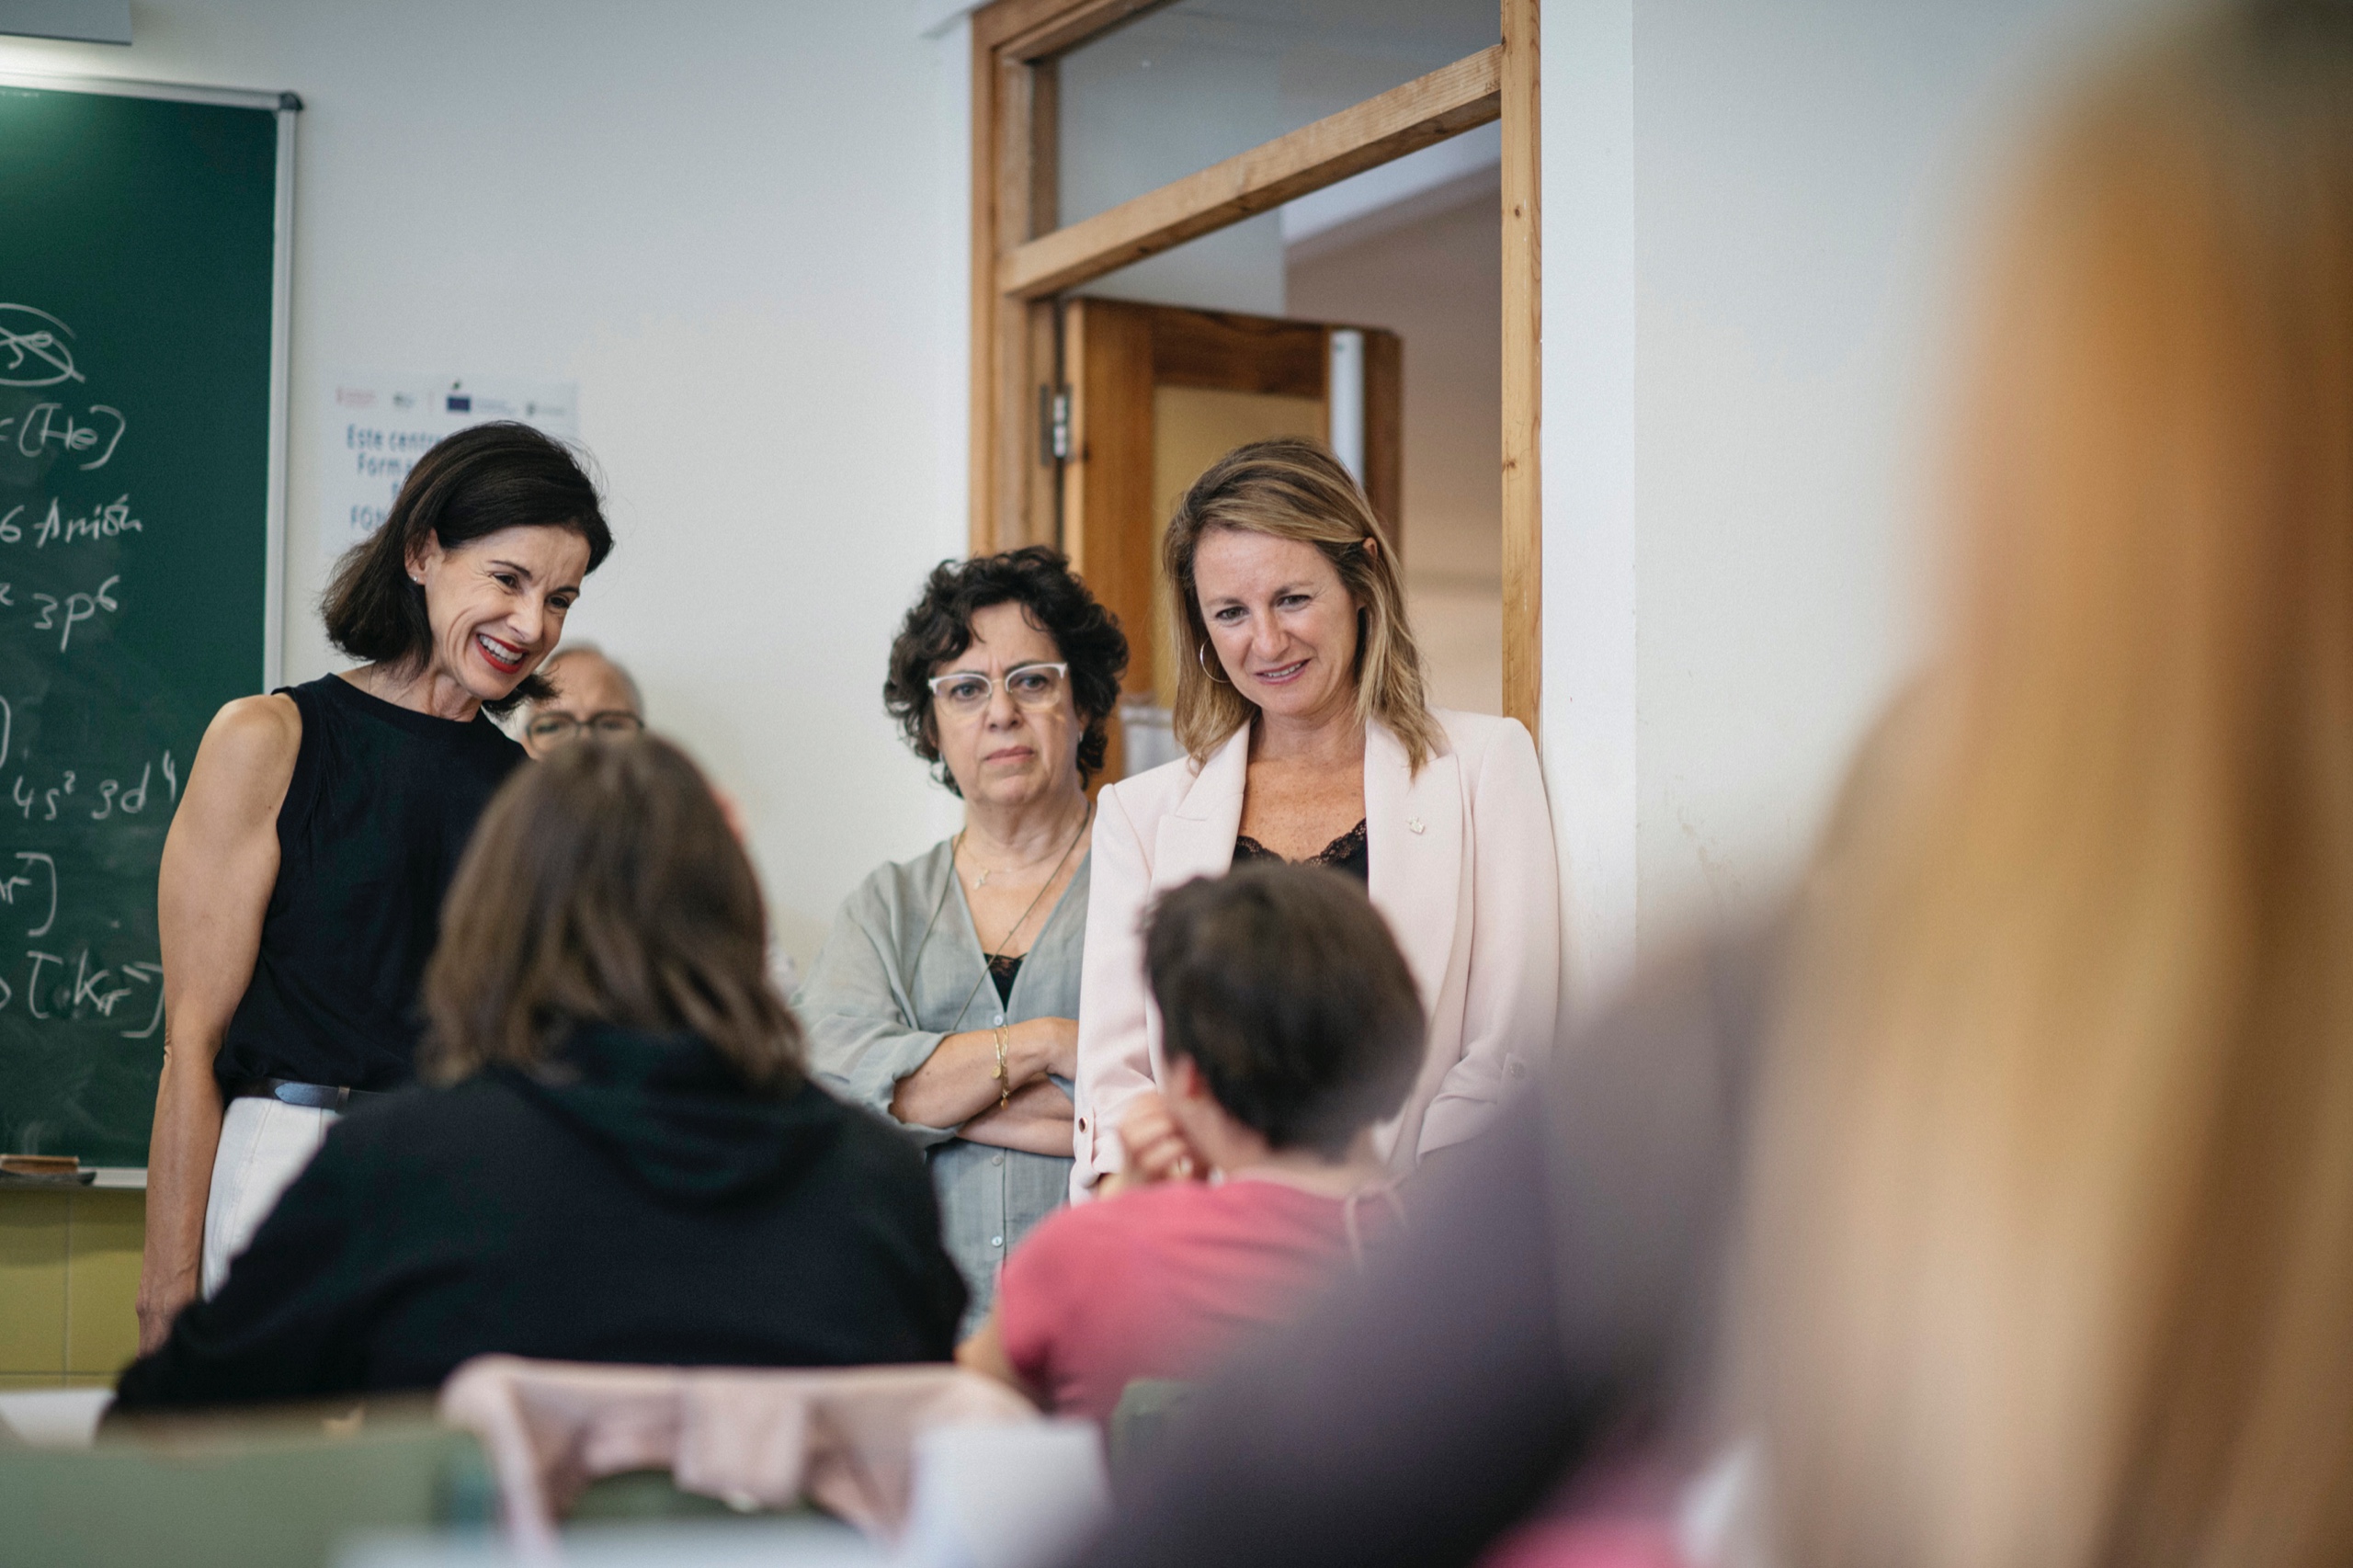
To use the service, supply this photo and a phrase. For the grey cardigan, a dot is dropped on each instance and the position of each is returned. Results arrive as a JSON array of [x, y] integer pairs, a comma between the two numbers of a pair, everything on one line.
[[902, 970]]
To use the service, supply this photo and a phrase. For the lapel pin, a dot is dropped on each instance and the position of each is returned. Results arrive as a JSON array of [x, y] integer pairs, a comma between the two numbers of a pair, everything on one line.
[[1413, 825]]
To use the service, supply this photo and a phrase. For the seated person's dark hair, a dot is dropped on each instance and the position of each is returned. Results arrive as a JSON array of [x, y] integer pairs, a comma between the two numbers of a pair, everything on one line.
[[939, 626], [480, 480], [1283, 985], [605, 889]]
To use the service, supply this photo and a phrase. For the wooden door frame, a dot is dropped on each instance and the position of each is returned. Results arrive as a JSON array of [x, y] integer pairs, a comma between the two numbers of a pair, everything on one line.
[[1116, 354], [1023, 256]]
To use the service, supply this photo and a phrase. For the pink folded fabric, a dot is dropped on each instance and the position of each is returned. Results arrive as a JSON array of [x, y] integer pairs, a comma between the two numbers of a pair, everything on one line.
[[843, 1438], [1589, 1543]]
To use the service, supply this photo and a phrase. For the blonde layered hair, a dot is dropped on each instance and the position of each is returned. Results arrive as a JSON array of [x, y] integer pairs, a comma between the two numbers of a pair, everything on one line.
[[2050, 1246], [1296, 490]]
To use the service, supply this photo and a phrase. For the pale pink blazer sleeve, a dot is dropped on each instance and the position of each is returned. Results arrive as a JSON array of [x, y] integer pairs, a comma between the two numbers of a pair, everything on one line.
[[1511, 993], [1118, 1033]]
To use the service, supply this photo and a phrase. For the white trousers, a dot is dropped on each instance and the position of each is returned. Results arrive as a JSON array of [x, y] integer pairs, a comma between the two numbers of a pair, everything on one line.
[[264, 1146]]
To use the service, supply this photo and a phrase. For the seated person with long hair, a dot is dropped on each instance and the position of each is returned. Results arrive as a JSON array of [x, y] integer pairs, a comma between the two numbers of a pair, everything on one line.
[[1292, 1028], [624, 1160]]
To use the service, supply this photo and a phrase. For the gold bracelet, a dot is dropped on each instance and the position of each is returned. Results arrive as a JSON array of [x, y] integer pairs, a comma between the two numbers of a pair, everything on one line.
[[1004, 1082]]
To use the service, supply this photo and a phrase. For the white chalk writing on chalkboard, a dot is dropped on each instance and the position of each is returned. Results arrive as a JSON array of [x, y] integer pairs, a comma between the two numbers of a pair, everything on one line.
[[94, 989], [32, 982], [132, 801], [62, 615], [32, 354], [46, 425], [8, 888], [100, 522], [147, 974], [34, 886], [34, 890], [112, 796], [150, 256]]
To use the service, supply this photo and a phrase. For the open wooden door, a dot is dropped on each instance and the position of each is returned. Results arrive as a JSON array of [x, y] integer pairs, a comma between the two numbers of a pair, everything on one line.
[[1156, 394]]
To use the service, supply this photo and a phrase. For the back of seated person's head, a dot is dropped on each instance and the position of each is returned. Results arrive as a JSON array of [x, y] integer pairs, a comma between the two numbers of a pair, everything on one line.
[[1284, 986], [604, 886]]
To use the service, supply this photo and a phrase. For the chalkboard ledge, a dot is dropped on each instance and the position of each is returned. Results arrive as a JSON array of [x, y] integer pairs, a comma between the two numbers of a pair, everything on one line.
[[119, 1177]]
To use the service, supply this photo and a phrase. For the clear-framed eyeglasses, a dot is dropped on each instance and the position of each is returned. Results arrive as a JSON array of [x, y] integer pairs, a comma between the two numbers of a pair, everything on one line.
[[966, 692], [550, 728]]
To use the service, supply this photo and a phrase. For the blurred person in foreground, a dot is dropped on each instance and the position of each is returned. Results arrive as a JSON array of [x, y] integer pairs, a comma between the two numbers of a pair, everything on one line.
[[626, 1160], [591, 695], [2001, 1204], [1292, 1028]]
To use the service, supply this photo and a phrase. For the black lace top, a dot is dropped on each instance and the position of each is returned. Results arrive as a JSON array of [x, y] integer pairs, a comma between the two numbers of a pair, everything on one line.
[[1004, 969], [1351, 852]]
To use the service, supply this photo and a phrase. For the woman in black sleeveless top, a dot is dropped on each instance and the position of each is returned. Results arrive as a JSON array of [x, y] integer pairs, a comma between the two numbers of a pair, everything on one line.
[[305, 871]]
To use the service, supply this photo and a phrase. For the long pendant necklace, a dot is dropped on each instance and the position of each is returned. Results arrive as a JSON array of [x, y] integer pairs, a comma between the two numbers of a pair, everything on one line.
[[957, 848], [1051, 878]]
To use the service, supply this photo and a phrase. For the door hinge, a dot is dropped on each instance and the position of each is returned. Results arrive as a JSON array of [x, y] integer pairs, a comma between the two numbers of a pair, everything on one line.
[[1053, 423]]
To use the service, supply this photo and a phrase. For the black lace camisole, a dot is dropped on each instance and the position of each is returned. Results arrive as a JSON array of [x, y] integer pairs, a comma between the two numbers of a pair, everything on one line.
[[1351, 853]]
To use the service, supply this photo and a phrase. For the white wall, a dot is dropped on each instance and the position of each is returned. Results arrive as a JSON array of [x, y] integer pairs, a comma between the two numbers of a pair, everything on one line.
[[740, 226], [1587, 715], [1758, 215], [1433, 280]]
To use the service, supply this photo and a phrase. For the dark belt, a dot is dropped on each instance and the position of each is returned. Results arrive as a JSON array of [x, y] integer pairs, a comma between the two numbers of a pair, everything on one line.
[[311, 1096]]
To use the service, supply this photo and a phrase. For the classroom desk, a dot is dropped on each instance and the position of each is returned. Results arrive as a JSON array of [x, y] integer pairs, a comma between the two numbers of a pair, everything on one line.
[[727, 1543], [69, 1282]]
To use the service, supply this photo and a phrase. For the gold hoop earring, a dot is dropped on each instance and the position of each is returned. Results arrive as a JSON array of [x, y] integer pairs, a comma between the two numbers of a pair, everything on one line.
[[1201, 652]]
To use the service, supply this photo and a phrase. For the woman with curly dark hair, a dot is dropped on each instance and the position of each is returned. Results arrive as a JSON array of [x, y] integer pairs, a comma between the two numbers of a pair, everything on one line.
[[947, 997]]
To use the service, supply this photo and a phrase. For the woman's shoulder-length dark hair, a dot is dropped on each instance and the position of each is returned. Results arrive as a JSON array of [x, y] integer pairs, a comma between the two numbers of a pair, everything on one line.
[[604, 886], [939, 626], [478, 482]]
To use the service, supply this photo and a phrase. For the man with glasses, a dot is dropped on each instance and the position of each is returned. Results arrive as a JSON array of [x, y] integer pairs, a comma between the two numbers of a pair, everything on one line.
[[593, 695]]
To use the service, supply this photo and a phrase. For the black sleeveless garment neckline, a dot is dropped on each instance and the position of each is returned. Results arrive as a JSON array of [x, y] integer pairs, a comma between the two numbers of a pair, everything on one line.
[[381, 804], [1350, 854]]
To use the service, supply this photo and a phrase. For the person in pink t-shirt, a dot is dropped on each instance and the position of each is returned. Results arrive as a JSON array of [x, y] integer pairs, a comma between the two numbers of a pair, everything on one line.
[[1290, 1029]]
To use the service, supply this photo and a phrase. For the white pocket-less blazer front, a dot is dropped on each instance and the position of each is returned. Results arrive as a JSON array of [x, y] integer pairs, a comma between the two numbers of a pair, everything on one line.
[[1463, 869]]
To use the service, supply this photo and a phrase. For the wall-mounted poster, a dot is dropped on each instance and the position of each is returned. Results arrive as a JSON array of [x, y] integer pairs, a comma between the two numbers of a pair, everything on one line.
[[378, 426]]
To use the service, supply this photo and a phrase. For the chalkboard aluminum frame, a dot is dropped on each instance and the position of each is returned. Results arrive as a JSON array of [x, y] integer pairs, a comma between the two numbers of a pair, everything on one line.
[[285, 106]]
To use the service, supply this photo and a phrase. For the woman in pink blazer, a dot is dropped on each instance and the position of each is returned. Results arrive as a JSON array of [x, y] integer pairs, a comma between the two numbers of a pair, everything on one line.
[[1300, 704]]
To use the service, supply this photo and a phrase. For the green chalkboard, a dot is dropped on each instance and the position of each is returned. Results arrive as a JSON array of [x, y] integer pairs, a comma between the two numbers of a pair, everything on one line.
[[140, 390]]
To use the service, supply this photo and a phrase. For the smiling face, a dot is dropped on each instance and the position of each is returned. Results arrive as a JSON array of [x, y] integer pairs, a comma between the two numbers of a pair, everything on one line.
[[1004, 754], [1280, 621], [497, 604]]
